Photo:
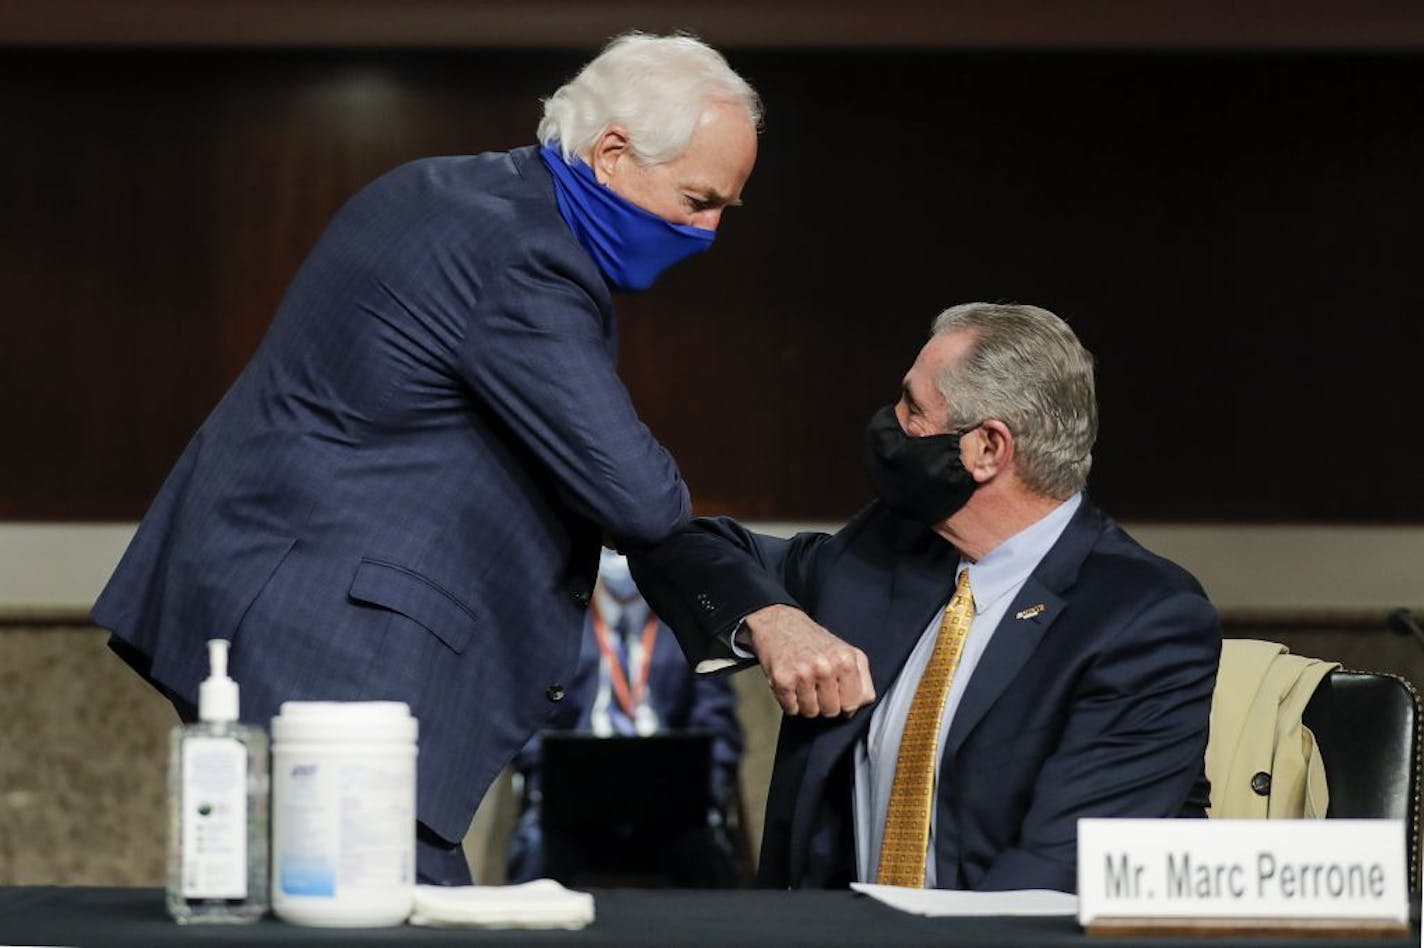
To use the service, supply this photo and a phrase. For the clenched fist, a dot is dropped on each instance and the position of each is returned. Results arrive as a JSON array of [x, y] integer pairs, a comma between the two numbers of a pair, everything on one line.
[[811, 672]]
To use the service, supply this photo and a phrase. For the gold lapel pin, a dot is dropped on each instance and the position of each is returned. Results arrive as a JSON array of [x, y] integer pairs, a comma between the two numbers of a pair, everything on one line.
[[1030, 612]]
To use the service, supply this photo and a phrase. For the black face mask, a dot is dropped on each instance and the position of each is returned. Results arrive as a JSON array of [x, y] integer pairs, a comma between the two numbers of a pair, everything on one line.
[[919, 478]]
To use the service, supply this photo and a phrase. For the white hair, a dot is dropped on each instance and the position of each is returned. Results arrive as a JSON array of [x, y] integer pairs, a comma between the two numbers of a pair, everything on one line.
[[655, 87], [1026, 368]]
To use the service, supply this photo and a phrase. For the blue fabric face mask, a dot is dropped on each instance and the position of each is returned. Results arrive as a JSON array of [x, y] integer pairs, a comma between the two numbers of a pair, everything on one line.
[[630, 245]]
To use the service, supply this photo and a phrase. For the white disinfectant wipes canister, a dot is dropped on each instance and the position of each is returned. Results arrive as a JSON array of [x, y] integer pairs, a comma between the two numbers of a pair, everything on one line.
[[343, 813]]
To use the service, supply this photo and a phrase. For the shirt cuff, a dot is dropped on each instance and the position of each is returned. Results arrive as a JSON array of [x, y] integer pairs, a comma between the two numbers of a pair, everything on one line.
[[736, 643], [739, 640]]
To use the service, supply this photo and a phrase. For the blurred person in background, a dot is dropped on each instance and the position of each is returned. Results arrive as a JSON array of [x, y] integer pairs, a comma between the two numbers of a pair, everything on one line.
[[633, 681]]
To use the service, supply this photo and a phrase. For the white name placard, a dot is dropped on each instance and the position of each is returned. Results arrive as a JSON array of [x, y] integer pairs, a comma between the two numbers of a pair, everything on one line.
[[1242, 869]]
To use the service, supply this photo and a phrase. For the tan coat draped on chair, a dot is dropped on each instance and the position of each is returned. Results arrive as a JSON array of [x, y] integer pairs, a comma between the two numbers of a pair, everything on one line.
[[1261, 693]]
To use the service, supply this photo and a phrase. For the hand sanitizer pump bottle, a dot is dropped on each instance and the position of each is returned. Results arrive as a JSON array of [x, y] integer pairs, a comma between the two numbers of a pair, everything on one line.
[[217, 806]]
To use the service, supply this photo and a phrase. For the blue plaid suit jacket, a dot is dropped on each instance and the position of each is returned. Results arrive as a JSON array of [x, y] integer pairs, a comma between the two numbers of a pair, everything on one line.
[[403, 494]]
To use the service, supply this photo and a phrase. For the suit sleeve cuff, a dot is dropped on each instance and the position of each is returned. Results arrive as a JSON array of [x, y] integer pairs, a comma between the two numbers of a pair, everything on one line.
[[731, 649]]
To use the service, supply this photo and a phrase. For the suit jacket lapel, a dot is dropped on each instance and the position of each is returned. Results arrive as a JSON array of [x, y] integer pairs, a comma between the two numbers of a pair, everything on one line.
[[1015, 639], [1013, 643], [919, 588], [920, 584]]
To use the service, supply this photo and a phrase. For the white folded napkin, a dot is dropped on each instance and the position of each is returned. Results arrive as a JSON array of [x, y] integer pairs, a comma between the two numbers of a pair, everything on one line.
[[542, 903]]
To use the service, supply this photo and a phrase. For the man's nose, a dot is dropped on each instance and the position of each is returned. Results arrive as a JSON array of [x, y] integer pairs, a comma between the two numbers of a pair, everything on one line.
[[708, 219]]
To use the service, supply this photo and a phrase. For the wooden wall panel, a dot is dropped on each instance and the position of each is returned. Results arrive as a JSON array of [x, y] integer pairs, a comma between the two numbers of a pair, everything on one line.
[[777, 24], [1233, 235]]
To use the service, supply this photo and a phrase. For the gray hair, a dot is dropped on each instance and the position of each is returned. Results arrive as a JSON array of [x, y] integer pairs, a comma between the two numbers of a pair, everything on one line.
[[1026, 368], [656, 87]]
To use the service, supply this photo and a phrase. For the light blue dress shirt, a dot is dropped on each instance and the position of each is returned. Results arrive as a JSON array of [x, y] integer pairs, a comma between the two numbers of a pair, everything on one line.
[[994, 580]]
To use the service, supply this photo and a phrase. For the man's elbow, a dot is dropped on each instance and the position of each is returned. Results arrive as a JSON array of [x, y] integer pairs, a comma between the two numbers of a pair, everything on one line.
[[643, 524]]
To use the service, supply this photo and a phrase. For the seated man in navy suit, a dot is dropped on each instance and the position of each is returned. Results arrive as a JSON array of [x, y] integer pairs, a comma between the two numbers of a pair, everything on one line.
[[1034, 664], [632, 680]]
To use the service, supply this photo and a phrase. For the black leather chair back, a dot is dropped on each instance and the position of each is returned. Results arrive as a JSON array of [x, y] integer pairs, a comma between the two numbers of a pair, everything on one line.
[[1366, 725]]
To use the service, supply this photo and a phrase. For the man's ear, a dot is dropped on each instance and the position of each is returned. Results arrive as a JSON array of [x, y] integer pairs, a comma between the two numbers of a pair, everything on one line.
[[608, 149], [991, 451]]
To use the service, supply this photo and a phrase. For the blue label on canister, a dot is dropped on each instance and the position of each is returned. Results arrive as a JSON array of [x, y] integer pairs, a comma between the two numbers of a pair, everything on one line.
[[307, 874]]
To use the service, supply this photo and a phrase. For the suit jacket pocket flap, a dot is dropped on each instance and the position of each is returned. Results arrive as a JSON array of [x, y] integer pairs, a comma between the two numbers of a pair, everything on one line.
[[415, 597]]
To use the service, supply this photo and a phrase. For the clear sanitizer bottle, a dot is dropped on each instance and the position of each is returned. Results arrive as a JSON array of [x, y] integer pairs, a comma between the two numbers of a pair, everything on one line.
[[217, 805]]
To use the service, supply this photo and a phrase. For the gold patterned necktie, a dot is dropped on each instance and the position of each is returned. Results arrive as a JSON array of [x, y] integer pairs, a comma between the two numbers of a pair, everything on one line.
[[907, 818]]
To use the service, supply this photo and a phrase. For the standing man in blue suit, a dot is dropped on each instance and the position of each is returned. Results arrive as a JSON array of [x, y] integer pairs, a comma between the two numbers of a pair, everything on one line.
[[1036, 665], [403, 494]]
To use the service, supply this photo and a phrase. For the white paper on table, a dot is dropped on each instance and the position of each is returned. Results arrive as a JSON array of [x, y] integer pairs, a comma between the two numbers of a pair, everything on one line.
[[958, 902]]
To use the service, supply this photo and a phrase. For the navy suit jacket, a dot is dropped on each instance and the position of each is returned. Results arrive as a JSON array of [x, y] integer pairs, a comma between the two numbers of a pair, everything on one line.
[[403, 494], [1094, 706]]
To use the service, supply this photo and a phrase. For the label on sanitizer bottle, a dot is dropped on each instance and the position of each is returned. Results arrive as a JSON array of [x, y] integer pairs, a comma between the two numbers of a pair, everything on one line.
[[214, 818]]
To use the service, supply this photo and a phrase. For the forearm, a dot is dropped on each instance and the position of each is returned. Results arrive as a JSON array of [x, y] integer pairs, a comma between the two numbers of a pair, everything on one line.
[[702, 582]]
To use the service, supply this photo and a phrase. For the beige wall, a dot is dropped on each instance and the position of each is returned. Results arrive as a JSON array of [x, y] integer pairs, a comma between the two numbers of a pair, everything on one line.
[[1247, 569], [83, 758], [83, 753], [83, 761], [83, 740]]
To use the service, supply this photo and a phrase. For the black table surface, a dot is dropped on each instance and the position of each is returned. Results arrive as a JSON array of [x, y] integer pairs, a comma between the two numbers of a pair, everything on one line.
[[91, 916]]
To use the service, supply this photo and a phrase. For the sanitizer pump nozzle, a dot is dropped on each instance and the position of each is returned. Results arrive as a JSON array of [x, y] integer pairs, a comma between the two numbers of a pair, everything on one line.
[[217, 695]]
